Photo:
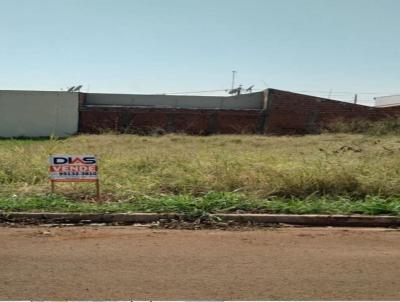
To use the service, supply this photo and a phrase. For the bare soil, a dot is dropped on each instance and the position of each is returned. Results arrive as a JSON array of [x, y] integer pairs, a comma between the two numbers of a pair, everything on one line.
[[112, 263]]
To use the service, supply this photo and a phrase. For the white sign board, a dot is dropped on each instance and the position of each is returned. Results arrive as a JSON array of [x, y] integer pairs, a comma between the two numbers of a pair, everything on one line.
[[73, 168]]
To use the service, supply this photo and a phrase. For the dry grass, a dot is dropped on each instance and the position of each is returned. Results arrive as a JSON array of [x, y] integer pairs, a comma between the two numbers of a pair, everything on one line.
[[387, 126], [256, 166]]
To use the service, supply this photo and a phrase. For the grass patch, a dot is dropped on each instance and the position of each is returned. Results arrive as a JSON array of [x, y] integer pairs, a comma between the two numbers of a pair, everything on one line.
[[195, 174], [210, 203]]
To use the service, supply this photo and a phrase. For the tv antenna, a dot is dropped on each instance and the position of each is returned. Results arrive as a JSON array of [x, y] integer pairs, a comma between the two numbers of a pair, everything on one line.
[[250, 89], [77, 88], [74, 88], [236, 91]]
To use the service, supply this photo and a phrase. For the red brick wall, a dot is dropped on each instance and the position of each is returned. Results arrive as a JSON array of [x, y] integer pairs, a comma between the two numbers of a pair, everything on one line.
[[286, 113], [293, 113], [147, 120]]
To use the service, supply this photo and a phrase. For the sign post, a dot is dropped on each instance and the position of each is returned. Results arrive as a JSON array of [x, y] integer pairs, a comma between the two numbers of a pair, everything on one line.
[[74, 168]]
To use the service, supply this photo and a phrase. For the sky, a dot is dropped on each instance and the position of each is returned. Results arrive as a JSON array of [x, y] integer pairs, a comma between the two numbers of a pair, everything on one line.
[[332, 48]]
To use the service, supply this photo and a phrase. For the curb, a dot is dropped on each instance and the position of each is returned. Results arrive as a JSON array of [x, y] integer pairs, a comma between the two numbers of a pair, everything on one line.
[[131, 218], [315, 220], [85, 218]]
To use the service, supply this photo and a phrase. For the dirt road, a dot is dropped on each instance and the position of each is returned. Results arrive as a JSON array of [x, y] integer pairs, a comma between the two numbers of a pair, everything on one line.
[[85, 263]]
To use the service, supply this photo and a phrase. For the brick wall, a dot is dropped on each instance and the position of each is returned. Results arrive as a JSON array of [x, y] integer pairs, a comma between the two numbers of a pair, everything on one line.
[[293, 113], [285, 113], [150, 120]]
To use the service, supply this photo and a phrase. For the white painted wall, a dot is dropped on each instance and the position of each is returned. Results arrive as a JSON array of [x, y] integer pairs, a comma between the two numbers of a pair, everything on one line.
[[244, 101], [387, 101], [38, 113]]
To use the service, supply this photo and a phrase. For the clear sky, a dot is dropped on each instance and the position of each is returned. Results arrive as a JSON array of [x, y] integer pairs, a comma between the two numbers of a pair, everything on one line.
[[162, 46]]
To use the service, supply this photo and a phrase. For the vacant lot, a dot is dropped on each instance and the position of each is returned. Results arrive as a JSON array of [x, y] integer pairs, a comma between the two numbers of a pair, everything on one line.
[[169, 172]]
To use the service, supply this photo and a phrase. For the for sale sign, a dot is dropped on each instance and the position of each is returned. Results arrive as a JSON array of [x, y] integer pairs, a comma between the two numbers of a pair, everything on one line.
[[73, 168]]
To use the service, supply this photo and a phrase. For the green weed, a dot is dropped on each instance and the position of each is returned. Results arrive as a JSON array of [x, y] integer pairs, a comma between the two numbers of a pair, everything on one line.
[[209, 203]]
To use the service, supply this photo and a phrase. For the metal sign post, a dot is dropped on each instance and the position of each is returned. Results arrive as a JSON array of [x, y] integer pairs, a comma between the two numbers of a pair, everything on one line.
[[97, 189], [74, 168]]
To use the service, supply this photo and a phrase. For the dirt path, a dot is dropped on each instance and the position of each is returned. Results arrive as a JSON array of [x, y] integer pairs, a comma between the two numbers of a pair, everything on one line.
[[84, 263]]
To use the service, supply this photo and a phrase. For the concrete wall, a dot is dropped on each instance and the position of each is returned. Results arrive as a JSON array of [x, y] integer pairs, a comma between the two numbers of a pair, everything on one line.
[[38, 113], [245, 101]]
